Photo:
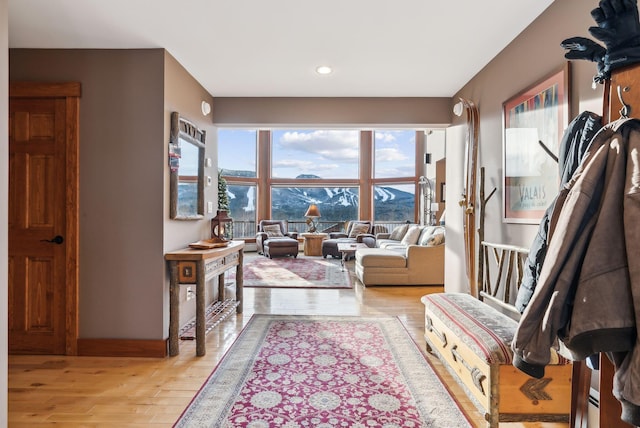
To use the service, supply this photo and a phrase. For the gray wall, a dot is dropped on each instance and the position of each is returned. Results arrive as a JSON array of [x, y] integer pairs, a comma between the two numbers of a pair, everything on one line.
[[183, 94], [369, 112], [533, 55], [124, 128]]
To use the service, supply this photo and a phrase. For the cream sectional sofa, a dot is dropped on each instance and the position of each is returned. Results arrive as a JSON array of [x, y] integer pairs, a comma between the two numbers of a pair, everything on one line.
[[416, 258]]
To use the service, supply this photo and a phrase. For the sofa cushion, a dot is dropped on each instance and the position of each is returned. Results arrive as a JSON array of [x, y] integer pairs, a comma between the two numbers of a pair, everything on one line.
[[398, 233], [435, 239], [426, 232], [412, 235], [378, 257], [359, 229], [397, 247], [432, 236], [384, 243], [272, 231]]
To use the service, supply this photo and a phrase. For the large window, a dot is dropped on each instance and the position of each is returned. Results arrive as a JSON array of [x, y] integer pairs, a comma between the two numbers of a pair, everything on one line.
[[237, 161], [302, 157], [279, 173], [242, 209], [237, 152], [336, 205], [309, 154], [395, 153], [394, 203], [394, 191]]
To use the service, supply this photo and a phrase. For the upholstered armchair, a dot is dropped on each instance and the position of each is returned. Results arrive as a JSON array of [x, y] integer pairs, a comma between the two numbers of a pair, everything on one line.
[[274, 239], [356, 231]]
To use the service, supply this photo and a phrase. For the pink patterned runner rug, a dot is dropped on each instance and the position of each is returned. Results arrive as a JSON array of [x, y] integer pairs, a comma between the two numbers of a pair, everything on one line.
[[287, 272], [326, 372]]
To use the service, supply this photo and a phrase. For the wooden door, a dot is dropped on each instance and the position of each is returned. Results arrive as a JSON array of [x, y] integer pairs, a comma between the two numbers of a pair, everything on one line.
[[43, 206]]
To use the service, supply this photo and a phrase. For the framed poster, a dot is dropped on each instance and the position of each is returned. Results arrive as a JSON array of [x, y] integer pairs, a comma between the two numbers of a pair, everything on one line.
[[534, 119]]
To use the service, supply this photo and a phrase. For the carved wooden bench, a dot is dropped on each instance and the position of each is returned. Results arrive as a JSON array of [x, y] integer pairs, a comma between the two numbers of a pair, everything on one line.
[[472, 338]]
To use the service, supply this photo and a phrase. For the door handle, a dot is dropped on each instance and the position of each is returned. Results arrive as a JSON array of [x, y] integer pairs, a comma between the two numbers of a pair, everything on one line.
[[56, 240]]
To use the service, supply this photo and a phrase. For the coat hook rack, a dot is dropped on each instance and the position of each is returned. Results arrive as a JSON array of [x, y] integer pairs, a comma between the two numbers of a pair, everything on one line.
[[625, 111]]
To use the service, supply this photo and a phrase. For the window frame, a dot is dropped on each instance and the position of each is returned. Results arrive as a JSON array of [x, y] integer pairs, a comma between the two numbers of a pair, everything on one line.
[[365, 182]]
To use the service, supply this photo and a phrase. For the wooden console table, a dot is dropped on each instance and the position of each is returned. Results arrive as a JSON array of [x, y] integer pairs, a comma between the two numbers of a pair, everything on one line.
[[189, 266]]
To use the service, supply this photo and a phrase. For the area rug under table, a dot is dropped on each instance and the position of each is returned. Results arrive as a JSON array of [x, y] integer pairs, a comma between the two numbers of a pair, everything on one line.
[[289, 272], [316, 371]]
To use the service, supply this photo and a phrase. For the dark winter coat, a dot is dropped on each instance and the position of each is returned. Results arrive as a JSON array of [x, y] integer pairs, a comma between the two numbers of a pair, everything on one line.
[[574, 145]]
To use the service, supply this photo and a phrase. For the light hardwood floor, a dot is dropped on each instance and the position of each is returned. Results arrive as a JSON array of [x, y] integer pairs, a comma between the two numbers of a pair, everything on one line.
[[144, 392]]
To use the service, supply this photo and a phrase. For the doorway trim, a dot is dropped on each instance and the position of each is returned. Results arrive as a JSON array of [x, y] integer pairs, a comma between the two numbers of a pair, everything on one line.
[[71, 92]]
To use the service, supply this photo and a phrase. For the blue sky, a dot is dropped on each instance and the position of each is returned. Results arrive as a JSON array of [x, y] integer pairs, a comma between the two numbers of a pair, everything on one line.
[[326, 153], [237, 149]]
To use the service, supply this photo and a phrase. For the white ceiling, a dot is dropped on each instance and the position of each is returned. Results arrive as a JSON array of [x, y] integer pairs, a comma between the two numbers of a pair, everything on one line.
[[238, 48]]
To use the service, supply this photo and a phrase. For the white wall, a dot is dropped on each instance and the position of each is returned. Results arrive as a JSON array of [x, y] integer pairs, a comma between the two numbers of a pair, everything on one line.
[[4, 197], [435, 144], [455, 278]]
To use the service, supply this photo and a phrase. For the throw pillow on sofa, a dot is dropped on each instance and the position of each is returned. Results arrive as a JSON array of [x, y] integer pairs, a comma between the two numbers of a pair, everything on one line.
[[398, 233], [436, 239], [358, 229], [432, 236], [426, 233], [273, 231], [412, 235]]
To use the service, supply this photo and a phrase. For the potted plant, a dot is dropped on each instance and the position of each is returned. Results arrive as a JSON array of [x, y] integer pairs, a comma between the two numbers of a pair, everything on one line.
[[223, 198], [222, 224]]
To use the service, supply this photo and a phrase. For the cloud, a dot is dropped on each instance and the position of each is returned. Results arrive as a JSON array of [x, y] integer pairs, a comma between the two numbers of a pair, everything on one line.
[[390, 154], [304, 165], [396, 171], [329, 144], [293, 163], [395, 137], [385, 137]]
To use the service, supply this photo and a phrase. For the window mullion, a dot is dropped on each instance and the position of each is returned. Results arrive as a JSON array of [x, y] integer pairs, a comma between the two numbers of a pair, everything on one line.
[[366, 174], [264, 175]]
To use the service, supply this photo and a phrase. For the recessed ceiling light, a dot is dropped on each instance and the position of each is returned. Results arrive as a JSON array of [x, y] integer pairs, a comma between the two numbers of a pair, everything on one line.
[[324, 69]]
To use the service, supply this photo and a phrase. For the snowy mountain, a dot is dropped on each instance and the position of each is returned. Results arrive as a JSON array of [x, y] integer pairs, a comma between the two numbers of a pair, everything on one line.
[[335, 203]]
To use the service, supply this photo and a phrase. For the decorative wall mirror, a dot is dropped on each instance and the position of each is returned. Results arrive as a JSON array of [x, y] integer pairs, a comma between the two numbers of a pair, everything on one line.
[[186, 160]]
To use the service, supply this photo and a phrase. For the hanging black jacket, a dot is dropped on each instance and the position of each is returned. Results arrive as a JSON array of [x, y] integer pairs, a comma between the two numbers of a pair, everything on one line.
[[573, 147]]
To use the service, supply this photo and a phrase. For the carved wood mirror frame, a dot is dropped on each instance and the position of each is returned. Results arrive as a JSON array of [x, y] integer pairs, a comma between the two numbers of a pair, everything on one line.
[[183, 134]]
